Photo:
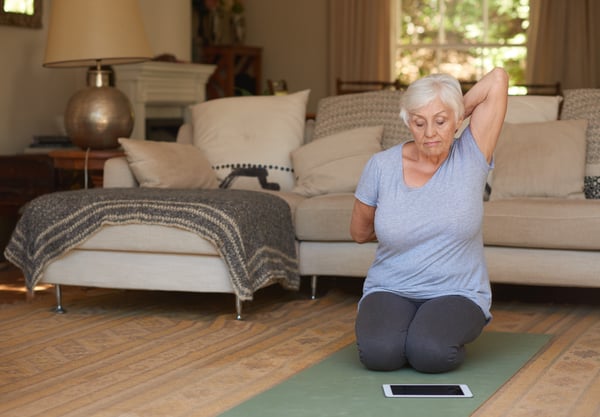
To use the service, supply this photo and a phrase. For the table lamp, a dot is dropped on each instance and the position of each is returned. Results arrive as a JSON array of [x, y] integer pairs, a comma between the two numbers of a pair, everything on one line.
[[96, 34]]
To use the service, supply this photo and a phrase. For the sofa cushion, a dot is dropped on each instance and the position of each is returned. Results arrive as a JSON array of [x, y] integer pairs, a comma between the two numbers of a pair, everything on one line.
[[168, 165], [251, 131], [540, 160], [292, 199], [333, 164], [325, 217], [584, 103], [350, 111], [542, 223], [531, 109]]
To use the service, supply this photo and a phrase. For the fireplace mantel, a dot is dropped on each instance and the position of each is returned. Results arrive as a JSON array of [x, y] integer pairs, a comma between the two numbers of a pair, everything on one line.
[[162, 89]]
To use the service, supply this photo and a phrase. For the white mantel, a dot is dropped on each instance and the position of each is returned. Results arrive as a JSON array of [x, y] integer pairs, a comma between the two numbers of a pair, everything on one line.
[[161, 89]]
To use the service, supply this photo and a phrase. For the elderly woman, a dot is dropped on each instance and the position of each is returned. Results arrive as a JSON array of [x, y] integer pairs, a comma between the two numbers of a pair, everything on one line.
[[427, 293]]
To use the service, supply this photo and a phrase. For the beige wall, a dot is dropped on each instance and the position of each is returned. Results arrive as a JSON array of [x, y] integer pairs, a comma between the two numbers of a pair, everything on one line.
[[32, 98], [293, 37], [168, 26]]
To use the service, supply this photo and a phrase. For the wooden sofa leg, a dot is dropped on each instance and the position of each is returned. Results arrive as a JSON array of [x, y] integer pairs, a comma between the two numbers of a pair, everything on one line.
[[59, 308], [238, 308], [313, 287]]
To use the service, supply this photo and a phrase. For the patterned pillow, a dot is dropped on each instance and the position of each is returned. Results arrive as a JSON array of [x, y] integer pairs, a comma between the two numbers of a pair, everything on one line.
[[350, 111], [584, 103]]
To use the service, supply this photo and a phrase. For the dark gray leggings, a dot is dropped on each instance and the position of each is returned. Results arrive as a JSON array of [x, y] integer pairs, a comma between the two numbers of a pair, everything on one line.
[[392, 331]]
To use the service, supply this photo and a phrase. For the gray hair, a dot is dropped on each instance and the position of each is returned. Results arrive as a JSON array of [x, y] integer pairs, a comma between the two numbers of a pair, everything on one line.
[[421, 92]]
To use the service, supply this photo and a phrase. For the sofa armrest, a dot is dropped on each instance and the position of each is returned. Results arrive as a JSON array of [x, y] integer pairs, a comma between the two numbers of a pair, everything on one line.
[[184, 134], [309, 130], [117, 174]]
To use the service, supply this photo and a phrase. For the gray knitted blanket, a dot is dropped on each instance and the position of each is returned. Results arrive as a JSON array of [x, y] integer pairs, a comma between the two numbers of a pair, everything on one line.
[[251, 230]]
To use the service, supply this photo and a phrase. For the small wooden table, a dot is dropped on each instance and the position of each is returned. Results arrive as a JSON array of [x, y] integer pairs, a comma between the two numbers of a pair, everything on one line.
[[90, 161]]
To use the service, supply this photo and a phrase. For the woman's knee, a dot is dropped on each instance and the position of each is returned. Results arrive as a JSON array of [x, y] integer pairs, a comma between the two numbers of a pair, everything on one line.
[[441, 328], [432, 356], [380, 355], [381, 326]]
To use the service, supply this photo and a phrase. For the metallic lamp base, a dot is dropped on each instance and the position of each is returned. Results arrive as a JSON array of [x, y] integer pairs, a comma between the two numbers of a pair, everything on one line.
[[96, 117]]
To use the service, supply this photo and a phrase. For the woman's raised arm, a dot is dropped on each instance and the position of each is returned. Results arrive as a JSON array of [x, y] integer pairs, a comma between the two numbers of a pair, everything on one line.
[[485, 102]]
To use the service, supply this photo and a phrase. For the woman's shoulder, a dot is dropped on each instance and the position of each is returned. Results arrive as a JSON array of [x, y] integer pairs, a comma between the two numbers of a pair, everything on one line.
[[466, 145], [396, 149], [464, 136], [387, 156]]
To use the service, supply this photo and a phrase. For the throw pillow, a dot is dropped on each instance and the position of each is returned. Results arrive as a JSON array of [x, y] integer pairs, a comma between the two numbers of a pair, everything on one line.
[[584, 103], [168, 164], [531, 109], [251, 131], [528, 109], [333, 164], [540, 160]]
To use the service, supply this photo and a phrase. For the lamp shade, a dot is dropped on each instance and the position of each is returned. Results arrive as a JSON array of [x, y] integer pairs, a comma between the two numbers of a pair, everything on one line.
[[83, 32]]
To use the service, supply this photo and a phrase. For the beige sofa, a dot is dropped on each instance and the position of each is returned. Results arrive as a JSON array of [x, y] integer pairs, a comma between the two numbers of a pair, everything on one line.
[[536, 231], [536, 234]]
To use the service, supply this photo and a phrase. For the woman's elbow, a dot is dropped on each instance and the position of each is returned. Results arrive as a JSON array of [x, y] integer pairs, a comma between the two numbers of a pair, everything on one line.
[[362, 236], [362, 227], [357, 238], [501, 76]]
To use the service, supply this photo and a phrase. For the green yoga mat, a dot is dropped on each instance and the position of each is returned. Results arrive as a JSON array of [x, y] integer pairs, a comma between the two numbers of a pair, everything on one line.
[[340, 386]]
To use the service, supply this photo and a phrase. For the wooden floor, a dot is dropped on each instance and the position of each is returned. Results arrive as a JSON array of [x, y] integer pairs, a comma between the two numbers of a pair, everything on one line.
[[562, 380]]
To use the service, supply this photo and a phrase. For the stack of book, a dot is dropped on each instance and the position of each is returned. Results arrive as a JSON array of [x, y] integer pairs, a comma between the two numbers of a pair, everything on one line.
[[47, 143]]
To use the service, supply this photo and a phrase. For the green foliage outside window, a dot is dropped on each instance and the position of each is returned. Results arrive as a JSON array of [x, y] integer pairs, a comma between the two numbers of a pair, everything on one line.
[[465, 38]]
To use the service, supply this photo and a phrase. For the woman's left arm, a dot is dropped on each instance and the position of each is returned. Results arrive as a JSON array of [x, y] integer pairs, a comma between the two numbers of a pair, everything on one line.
[[362, 224], [486, 102]]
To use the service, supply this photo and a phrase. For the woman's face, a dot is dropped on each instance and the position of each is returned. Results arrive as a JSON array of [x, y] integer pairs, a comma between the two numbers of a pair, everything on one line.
[[433, 127]]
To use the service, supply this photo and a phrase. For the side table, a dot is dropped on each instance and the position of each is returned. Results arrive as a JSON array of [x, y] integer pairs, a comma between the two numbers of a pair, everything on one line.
[[91, 161]]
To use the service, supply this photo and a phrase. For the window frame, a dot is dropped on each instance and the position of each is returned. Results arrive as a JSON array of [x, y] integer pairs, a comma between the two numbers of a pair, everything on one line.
[[437, 46]]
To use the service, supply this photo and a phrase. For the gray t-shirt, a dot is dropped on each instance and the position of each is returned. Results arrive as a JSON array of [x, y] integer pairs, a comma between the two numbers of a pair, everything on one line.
[[430, 237]]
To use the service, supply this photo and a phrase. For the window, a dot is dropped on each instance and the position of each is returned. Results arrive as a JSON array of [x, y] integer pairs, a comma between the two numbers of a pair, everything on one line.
[[465, 38], [26, 13], [19, 6]]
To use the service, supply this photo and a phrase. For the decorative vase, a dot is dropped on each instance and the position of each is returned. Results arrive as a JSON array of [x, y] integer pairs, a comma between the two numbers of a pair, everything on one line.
[[238, 28], [215, 28]]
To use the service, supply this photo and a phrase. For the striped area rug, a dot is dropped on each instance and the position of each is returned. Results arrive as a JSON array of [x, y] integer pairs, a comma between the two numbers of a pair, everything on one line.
[[564, 380], [136, 353], [158, 354]]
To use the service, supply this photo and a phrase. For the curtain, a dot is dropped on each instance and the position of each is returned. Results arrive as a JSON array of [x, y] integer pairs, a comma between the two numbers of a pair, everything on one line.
[[564, 43], [360, 40]]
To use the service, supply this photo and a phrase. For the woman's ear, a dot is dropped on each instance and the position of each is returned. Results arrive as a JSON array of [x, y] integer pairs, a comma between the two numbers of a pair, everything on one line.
[[459, 123]]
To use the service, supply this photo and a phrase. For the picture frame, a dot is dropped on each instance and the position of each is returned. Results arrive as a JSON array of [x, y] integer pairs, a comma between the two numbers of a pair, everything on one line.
[[33, 21]]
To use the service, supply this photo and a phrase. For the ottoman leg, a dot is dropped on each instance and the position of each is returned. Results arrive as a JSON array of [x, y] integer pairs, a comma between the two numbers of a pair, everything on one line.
[[313, 287], [59, 308], [238, 308]]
